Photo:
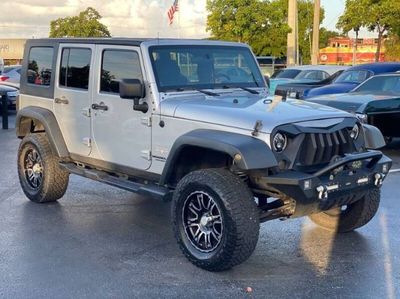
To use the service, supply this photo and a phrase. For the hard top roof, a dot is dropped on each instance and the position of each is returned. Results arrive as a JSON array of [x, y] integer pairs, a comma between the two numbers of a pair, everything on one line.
[[130, 41]]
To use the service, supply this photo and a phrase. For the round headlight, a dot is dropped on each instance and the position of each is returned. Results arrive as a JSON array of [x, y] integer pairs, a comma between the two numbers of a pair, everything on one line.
[[279, 142], [355, 132]]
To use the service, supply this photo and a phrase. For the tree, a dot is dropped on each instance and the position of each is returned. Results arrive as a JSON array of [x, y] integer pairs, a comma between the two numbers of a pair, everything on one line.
[[381, 16], [325, 35], [392, 45], [86, 24], [306, 16], [251, 21], [260, 23]]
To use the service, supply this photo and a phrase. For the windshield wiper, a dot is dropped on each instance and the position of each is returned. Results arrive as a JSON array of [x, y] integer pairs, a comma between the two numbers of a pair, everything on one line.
[[242, 88], [206, 92]]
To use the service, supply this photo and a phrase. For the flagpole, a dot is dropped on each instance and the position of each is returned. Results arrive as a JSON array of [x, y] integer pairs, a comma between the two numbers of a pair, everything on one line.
[[179, 21]]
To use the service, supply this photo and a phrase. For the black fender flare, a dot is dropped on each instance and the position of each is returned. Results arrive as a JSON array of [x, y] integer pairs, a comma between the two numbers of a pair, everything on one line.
[[50, 124], [254, 153], [373, 137]]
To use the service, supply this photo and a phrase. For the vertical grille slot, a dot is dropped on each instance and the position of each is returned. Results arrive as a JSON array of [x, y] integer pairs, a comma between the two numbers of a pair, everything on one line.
[[319, 148]]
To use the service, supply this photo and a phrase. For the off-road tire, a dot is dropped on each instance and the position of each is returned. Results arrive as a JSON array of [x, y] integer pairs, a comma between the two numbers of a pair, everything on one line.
[[355, 216], [239, 212], [55, 179]]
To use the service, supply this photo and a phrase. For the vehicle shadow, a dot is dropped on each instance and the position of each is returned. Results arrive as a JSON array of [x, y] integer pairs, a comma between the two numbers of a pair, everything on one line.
[[123, 237]]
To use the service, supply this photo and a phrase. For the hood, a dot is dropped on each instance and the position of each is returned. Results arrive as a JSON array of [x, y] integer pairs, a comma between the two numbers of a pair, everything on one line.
[[243, 111], [332, 89], [359, 102]]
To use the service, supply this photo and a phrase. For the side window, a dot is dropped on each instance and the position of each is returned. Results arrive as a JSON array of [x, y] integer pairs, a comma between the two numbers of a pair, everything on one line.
[[117, 65], [40, 65], [75, 68]]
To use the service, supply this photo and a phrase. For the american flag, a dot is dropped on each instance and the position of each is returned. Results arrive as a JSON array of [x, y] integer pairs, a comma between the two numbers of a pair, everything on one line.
[[171, 12]]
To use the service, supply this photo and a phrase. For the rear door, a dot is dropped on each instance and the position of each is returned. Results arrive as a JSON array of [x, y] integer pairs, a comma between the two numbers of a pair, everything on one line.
[[72, 96]]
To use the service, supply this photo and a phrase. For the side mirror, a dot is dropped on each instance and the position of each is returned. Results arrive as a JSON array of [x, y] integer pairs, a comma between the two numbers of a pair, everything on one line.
[[133, 89], [268, 81]]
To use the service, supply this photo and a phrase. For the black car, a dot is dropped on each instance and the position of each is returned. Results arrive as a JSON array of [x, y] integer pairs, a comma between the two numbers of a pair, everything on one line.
[[376, 102], [296, 90], [11, 93]]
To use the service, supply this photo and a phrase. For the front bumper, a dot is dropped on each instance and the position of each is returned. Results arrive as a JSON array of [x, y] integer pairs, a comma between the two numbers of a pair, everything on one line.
[[341, 182]]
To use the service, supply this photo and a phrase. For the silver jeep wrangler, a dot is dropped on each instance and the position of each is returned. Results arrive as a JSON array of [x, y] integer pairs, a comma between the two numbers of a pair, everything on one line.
[[191, 121]]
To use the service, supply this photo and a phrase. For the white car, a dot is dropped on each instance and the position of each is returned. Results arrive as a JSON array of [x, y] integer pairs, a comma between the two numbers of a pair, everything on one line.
[[11, 74]]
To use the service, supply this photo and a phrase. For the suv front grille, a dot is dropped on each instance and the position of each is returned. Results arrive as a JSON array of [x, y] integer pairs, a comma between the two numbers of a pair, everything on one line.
[[319, 148]]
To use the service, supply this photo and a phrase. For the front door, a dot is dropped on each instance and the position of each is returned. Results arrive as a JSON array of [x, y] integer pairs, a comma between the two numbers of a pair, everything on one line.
[[72, 96], [121, 135]]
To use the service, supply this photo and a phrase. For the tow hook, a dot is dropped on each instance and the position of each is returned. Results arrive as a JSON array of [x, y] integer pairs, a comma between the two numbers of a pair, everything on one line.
[[378, 179], [322, 192]]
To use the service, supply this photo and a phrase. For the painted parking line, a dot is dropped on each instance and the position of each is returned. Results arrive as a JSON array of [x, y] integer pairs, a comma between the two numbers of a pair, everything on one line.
[[394, 170]]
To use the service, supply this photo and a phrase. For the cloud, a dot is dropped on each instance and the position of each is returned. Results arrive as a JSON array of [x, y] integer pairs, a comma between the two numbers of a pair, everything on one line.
[[129, 18]]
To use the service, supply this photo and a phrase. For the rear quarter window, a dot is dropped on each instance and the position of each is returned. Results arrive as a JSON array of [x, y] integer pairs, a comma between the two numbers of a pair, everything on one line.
[[40, 66]]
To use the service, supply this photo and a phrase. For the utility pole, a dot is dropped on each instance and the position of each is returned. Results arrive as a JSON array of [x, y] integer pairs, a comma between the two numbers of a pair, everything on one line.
[[292, 38], [315, 44]]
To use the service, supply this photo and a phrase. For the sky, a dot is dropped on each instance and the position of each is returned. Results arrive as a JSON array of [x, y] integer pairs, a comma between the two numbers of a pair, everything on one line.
[[129, 18]]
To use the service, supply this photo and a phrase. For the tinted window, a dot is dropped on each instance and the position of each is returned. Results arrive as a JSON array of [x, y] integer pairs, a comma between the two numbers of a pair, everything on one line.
[[353, 76], [117, 65], [312, 75], [262, 61], [8, 69], [40, 65], [381, 84], [75, 68], [287, 74]]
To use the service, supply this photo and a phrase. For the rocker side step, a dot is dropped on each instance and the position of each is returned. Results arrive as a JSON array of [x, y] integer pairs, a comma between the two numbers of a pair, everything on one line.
[[152, 190]]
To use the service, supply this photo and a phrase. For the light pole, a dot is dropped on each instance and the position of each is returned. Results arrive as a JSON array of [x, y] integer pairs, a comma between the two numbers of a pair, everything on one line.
[[292, 38], [315, 43]]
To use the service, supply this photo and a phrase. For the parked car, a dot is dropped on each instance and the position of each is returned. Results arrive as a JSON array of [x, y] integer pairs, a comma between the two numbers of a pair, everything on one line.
[[12, 94], [303, 73], [353, 77], [376, 102], [225, 154], [297, 90], [11, 74], [1, 65]]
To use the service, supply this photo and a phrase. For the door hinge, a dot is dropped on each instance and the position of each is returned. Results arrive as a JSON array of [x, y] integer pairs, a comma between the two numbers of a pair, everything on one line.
[[146, 154], [87, 141], [86, 112], [146, 121]]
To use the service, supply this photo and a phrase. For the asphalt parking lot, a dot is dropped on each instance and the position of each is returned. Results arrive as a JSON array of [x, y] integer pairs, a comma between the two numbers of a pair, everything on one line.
[[103, 242]]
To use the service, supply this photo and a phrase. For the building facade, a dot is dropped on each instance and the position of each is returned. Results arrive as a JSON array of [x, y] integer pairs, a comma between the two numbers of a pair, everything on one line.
[[342, 49], [12, 50]]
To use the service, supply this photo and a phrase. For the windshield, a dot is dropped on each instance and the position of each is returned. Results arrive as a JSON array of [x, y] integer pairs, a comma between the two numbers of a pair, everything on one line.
[[204, 67], [381, 84], [353, 76], [8, 69], [287, 74]]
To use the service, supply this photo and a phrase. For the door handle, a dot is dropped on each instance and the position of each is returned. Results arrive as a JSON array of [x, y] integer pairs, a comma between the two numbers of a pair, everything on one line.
[[100, 106], [61, 100]]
